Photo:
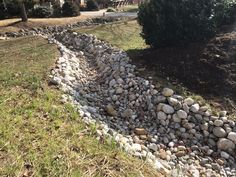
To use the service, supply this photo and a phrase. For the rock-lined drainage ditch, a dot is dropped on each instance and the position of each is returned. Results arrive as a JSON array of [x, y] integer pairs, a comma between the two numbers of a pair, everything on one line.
[[176, 135]]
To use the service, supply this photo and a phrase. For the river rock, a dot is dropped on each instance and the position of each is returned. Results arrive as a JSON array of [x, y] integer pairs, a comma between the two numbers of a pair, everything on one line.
[[182, 114], [168, 109], [232, 136], [195, 108], [218, 123], [110, 110], [225, 144], [167, 92], [219, 132]]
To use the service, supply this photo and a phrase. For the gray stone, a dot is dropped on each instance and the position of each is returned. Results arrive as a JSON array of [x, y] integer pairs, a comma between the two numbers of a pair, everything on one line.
[[176, 118], [232, 136], [168, 109], [119, 90], [224, 155], [225, 144], [218, 123], [127, 113], [182, 114], [112, 83], [219, 132], [161, 115]]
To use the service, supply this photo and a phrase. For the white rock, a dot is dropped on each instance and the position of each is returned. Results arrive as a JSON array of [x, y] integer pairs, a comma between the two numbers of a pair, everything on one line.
[[218, 123], [219, 132], [172, 101], [182, 114], [195, 108], [189, 101], [232, 136], [167, 92], [194, 171], [136, 147]]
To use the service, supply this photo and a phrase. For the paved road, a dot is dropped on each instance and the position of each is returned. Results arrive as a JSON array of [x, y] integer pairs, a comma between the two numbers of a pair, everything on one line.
[[103, 12]]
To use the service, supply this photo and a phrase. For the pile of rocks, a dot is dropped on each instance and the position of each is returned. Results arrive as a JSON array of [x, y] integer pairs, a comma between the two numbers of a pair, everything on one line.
[[170, 131]]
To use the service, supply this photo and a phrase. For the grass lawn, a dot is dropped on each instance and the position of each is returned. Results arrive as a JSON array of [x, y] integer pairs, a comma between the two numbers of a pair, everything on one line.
[[39, 136], [129, 8], [125, 35]]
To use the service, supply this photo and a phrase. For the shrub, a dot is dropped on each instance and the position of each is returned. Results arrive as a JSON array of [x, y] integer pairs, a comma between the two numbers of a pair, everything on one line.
[[174, 22], [92, 5], [13, 8], [57, 11], [224, 12], [42, 12], [70, 9], [3, 11]]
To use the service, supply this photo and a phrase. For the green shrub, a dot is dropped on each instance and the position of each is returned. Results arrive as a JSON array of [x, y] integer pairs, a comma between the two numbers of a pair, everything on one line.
[[3, 11], [174, 22], [92, 5], [57, 11], [42, 12], [70, 9], [13, 8], [224, 12]]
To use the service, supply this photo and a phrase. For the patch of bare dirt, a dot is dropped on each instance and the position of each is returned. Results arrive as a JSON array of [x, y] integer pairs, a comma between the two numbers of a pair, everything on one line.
[[208, 69]]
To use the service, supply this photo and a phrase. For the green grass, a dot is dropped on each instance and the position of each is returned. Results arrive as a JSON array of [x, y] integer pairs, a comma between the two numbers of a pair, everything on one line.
[[124, 35], [129, 8], [39, 136]]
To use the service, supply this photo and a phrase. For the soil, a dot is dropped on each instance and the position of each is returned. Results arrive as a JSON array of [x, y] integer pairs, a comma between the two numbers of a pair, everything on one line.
[[208, 69]]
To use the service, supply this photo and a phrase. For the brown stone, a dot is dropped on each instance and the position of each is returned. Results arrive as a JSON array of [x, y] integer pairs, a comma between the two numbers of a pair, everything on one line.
[[180, 153], [163, 154], [140, 131], [220, 162], [110, 110]]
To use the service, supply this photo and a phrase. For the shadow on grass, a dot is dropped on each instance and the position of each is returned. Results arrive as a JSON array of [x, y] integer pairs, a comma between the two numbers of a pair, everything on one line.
[[203, 68]]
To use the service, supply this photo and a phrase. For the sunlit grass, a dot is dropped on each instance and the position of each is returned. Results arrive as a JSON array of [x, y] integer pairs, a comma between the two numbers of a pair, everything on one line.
[[39, 136]]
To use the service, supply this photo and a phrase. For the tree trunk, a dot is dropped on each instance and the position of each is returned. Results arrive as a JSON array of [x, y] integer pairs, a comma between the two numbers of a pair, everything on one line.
[[24, 17]]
